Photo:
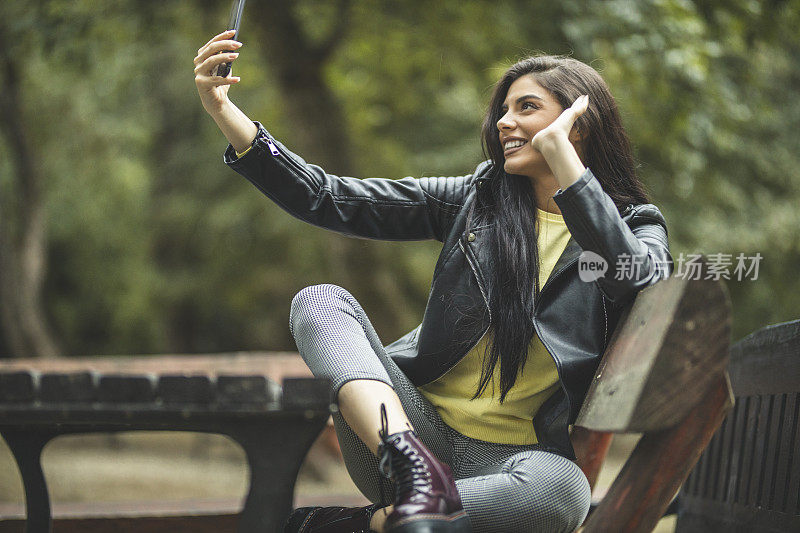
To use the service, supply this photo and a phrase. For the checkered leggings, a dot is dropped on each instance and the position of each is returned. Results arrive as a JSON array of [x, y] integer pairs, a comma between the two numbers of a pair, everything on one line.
[[504, 488]]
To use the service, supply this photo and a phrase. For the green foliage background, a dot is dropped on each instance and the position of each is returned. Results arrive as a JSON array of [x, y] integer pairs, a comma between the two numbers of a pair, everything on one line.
[[155, 246]]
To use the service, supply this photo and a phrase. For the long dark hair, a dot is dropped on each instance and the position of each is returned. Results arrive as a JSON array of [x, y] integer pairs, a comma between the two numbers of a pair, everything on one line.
[[507, 203]]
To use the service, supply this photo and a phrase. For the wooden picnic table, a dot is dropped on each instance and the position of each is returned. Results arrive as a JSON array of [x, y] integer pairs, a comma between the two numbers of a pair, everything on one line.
[[229, 394]]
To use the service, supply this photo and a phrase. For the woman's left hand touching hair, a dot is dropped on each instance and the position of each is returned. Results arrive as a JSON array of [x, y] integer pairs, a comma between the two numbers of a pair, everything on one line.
[[557, 147]]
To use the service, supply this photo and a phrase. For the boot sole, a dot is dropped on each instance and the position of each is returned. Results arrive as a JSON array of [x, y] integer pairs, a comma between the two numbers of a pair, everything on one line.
[[458, 523]]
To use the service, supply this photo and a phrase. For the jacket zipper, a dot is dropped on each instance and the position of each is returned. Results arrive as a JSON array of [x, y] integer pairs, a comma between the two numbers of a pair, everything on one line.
[[272, 148], [286, 160]]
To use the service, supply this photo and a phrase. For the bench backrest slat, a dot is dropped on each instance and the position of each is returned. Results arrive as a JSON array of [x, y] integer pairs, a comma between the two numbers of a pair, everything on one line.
[[669, 348], [748, 478]]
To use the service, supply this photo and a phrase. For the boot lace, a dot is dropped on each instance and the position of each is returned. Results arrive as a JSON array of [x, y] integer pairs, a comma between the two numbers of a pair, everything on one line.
[[403, 464]]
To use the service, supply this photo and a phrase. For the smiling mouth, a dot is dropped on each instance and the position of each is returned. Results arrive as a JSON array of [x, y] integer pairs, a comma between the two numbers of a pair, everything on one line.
[[509, 151]]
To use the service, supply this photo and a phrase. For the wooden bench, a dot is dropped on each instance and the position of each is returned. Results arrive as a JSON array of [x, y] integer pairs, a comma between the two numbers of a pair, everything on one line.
[[748, 479], [225, 394], [663, 375]]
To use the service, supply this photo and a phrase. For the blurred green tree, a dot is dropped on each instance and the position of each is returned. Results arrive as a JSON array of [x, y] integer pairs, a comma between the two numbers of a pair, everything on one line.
[[152, 245]]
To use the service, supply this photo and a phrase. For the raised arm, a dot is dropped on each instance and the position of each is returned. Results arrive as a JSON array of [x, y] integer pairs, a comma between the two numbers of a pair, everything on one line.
[[637, 252], [375, 208]]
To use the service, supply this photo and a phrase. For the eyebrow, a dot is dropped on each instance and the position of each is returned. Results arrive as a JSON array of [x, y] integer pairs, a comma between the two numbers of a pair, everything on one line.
[[525, 97]]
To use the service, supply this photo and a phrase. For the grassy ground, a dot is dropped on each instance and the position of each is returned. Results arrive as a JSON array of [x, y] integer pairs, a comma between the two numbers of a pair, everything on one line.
[[161, 466]]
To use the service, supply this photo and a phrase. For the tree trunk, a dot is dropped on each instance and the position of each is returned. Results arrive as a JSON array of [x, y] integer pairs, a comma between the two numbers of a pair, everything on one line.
[[321, 134], [23, 233]]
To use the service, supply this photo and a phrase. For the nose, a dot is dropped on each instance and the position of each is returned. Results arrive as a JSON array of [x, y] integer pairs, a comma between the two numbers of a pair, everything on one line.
[[505, 122]]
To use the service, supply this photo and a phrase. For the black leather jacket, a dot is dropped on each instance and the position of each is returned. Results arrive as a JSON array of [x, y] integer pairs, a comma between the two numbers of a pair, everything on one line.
[[574, 319]]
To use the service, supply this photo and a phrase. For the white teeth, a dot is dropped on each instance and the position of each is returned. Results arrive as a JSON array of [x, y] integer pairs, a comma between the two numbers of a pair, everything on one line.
[[513, 144]]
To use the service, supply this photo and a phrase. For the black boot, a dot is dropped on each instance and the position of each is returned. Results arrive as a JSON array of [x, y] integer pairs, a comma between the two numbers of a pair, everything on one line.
[[426, 499], [330, 519]]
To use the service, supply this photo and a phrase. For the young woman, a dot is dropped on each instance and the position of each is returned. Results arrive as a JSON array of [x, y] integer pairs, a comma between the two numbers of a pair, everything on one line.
[[465, 419]]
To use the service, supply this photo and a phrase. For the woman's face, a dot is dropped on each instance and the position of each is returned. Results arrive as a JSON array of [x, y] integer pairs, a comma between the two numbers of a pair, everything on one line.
[[527, 109]]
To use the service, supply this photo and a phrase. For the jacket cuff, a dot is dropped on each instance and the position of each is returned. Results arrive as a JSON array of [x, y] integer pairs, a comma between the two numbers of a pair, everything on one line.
[[238, 155], [593, 219], [576, 187], [230, 156]]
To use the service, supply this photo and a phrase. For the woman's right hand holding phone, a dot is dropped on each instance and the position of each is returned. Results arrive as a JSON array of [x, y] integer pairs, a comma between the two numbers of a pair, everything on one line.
[[213, 89]]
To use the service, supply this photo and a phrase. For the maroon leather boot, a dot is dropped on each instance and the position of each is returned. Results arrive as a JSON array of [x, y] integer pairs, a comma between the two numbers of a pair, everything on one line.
[[330, 519], [426, 499]]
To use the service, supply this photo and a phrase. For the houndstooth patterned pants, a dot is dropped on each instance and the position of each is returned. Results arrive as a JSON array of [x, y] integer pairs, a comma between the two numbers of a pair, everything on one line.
[[504, 488]]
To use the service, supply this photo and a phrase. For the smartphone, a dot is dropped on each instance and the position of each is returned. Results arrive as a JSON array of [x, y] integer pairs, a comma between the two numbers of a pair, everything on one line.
[[235, 20]]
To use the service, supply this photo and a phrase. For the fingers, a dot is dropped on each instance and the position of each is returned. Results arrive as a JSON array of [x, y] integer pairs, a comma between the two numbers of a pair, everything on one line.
[[206, 68], [218, 37], [215, 48], [216, 81], [580, 105], [208, 83], [569, 116]]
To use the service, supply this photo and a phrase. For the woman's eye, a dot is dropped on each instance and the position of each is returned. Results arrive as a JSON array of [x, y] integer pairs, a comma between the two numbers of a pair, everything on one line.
[[531, 104]]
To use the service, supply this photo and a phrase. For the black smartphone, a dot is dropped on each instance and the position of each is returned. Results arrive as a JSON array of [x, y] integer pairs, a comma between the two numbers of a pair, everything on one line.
[[235, 20]]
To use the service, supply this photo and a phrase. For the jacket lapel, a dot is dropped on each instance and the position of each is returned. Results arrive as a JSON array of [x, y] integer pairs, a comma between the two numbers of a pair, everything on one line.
[[571, 252]]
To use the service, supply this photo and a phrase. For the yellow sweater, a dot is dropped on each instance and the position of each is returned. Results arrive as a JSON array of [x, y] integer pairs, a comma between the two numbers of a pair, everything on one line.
[[485, 418]]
